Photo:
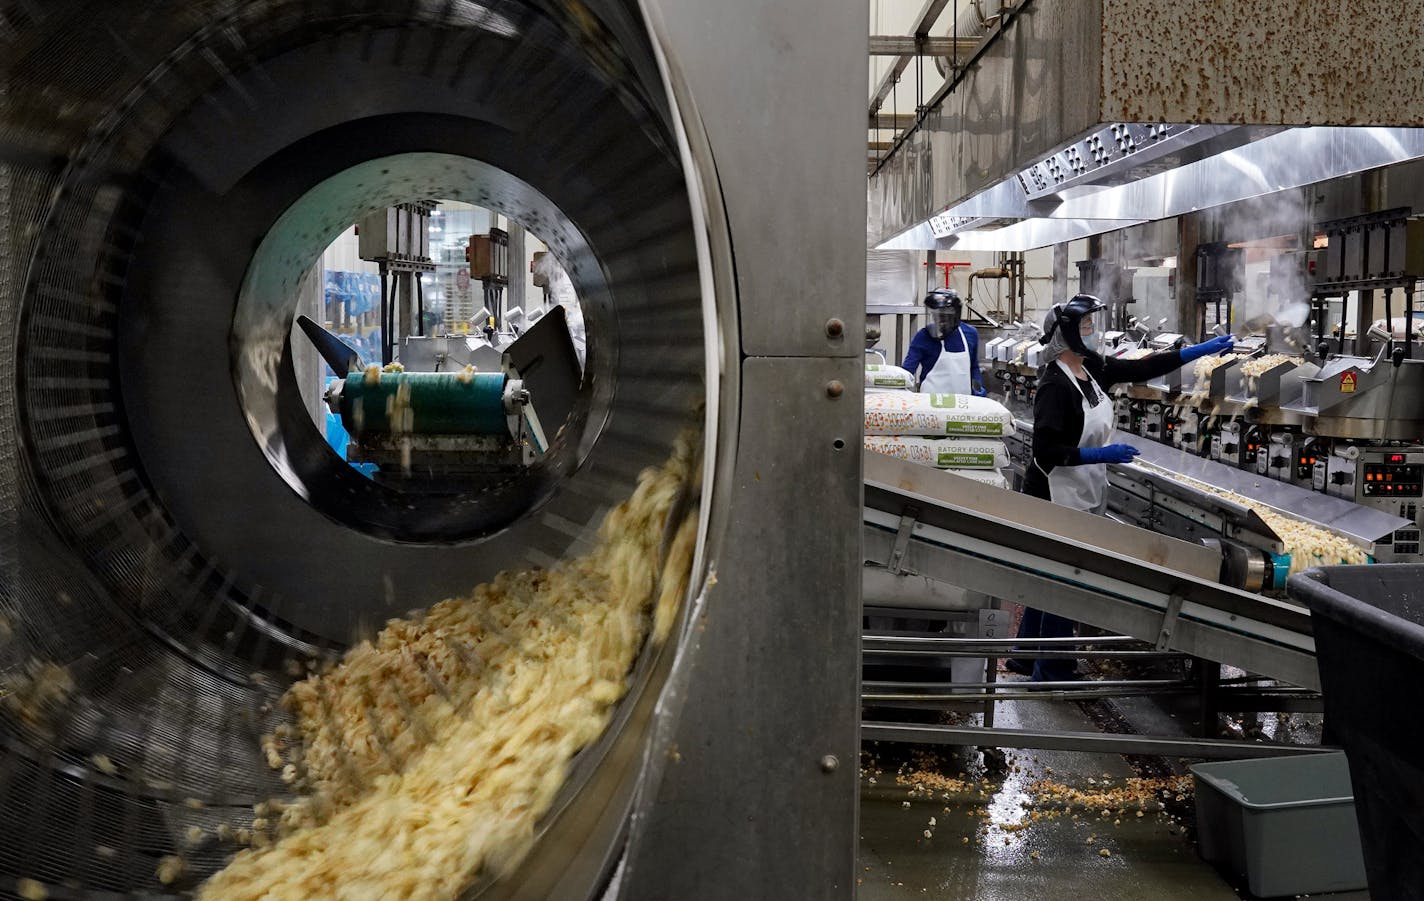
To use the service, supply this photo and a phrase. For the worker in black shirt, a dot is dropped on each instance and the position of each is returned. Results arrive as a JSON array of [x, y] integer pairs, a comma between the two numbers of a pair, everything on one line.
[[1072, 436]]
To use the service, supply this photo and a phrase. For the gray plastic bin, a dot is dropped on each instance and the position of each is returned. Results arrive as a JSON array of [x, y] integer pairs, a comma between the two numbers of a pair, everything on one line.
[[1369, 642], [1285, 823]]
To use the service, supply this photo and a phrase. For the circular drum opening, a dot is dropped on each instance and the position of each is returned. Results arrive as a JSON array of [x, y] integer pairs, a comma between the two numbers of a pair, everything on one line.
[[463, 465], [320, 135]]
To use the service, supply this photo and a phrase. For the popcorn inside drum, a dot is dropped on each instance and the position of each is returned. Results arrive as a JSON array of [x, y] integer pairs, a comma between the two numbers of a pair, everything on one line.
[[428, 756]]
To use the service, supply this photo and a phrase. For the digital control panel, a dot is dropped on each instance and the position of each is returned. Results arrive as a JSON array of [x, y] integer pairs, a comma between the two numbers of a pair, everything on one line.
[[1392, 479], [1395, 477]]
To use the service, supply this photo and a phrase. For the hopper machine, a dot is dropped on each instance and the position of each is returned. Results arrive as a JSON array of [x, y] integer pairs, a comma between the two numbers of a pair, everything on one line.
[[456, 426]]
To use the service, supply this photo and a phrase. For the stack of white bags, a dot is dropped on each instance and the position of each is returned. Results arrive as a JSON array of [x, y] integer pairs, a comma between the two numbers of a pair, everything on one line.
[[958, 432]]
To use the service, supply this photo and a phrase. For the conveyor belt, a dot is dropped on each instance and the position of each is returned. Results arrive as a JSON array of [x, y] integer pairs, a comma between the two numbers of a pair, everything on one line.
[[1362, 525], [1127, 580]]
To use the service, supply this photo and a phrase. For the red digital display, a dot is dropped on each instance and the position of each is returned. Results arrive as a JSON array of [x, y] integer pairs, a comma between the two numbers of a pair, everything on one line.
[[1396, 458]]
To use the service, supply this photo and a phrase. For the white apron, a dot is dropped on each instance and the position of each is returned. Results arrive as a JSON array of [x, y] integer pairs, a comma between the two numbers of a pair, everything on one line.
[[950, 374], [1085, 487]]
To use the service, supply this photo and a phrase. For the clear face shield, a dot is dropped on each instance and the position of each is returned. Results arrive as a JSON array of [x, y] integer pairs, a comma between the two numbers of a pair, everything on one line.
[[1088, 334], [943, 321]]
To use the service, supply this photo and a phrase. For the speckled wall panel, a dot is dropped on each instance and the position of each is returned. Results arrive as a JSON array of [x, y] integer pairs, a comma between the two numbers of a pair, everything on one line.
[[1277, 62]]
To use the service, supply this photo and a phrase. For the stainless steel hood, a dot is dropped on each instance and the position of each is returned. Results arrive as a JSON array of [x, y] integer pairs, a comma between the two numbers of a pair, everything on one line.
[[1057, 130]]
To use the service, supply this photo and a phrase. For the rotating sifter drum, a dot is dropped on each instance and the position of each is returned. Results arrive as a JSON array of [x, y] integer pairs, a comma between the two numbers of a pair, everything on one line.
[[192, 575]]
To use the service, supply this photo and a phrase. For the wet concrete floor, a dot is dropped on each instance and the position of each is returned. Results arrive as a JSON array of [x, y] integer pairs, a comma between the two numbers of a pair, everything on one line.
[[986, 838]]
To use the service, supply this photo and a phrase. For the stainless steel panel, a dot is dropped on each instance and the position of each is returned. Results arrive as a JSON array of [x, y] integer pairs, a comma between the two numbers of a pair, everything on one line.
[[1277, 162], [774, 686], [907, 591], [796, 193], [1383, 402]]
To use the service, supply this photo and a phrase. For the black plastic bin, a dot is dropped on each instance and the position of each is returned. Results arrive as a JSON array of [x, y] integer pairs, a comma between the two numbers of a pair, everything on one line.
[[1369, 641]]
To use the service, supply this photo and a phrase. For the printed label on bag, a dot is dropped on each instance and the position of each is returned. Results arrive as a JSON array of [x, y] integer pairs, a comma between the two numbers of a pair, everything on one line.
[[952, 460], [956, 427]]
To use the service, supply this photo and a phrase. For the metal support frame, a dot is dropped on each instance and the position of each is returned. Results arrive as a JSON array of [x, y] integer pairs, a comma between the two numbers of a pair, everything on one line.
[[928, 688], [892, 121], [930, 694], [1012, 579], [386, 306], [887, 82], [1377, 251], [1208, 687], [947, 646], [929, 15], [1096, 742], [919, 44], [902, 539], [1169, 622], [989, 553], [1239, 695]]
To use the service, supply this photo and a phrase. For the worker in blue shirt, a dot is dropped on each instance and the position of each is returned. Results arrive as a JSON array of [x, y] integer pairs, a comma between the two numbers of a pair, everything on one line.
[[944, 355]]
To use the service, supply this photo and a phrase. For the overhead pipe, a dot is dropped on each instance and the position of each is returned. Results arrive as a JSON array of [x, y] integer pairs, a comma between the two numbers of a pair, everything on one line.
[[969, 24]]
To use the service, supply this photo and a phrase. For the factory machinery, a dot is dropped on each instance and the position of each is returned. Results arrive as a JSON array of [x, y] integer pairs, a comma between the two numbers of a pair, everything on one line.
[[1212, 443], [1153, 595], [1290, 452], [177, 540], [1292, 419], [450, 427]]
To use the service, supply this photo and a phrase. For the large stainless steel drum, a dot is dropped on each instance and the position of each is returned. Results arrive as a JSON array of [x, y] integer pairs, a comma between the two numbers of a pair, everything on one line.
[[175, 531]]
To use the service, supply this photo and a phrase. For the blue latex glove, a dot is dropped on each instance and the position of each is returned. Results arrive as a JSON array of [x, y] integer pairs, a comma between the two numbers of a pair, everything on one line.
[[1216, 346], [981, 391], [1113, 453]]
